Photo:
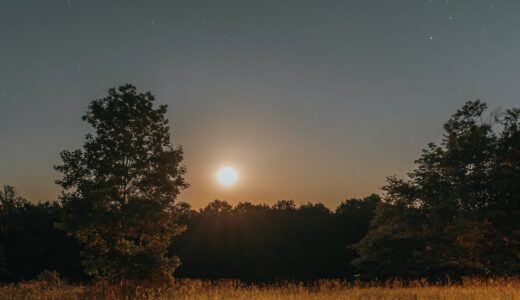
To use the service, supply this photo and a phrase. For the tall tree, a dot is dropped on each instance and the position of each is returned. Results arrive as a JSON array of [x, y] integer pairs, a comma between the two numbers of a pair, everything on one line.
[[119, 191], [458, 211]]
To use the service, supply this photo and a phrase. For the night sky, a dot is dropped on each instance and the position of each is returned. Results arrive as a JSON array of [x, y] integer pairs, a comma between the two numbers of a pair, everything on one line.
[[309, 100]]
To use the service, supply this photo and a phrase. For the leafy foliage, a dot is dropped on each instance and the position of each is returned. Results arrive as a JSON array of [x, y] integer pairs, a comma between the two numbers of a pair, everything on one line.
[[458, 212], [120, 189]]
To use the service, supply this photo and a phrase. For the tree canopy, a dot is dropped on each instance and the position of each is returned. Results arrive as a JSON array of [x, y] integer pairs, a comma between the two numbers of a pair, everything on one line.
[[459, 210], [119, 190]]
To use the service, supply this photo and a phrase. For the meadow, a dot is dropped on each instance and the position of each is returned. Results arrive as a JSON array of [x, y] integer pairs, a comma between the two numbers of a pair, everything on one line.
[[477, 289]]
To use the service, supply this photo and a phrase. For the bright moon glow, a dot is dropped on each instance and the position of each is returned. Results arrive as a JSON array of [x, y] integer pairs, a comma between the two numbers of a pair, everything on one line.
[[227, 176]]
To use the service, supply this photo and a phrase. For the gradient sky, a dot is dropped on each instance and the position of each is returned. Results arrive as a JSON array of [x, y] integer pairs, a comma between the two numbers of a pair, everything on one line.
[[309, 100]]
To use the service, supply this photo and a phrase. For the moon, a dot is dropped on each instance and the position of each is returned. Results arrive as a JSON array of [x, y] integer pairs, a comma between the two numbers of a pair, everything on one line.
[[227, 176]]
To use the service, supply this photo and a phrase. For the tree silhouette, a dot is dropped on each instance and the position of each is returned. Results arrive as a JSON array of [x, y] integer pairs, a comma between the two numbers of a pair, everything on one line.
[[256, 242], [10, 205], [457, 213], [119, 191], [30, 241]]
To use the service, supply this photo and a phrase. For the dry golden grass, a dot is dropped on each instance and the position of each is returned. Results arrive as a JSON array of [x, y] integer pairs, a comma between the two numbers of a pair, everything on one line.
[[195, 289]]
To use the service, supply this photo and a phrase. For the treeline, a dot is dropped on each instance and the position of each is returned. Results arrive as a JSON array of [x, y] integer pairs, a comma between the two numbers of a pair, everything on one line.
[[32, 242], [251, 242], [456, 214], [255, 242]]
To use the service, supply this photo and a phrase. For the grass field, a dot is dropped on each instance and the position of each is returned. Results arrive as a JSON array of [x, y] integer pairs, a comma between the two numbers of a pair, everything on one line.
[[194, 289]]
